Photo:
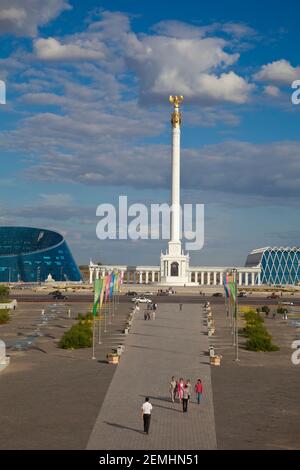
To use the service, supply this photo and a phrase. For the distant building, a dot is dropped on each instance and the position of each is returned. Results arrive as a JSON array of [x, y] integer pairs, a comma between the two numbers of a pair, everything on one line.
[[31, 254], [279, 266]]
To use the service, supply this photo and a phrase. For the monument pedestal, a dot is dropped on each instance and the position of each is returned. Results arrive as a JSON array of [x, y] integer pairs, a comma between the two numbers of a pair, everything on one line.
[[174, 266]]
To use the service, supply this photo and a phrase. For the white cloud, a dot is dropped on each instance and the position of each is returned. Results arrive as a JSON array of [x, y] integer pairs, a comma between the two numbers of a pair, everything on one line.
[[43, 99], [279, 72], [52, 49], [193, 67], [272, 90], [23, 17], [57, 199], [179, 29]]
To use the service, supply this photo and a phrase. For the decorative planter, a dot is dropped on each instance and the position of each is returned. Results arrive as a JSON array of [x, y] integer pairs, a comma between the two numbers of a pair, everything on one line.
[[113, 358], [126, 331], [216, 360]]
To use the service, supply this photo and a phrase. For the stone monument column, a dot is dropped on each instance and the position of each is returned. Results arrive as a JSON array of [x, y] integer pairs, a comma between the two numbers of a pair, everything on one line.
[[175, 264], [176, 122]]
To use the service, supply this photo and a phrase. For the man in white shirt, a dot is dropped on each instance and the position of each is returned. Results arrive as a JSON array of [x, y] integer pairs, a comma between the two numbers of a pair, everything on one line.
[[146, 413]]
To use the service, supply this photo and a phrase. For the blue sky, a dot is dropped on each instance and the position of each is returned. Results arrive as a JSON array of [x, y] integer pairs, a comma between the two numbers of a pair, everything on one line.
[[87, 119]]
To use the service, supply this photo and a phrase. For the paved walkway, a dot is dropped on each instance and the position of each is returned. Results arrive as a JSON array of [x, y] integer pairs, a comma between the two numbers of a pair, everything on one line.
[[173, 344]]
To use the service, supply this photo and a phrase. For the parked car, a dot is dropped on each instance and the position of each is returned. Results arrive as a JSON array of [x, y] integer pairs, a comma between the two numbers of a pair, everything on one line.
[[142, 300], [291, 304], [148, 293], [130, 293], [217, 294], [55, 292], [273, 296], [59, 296], [243, 294]]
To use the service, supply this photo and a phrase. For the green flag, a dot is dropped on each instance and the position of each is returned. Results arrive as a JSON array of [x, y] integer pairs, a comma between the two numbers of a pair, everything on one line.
[[97, 292], [232, 288]]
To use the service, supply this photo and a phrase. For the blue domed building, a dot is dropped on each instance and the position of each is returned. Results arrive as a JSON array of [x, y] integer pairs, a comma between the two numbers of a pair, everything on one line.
[[30, 254]]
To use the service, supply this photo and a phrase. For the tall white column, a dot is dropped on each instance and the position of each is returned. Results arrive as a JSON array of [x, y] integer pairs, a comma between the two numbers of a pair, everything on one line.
[[246, 279], [215, 278], [153, 276], [221, 279], [97, 273], [208, 279], [240, 279], [175, 218], [253, 279], [141, 277], [202, 278], [91, 275], [259, 279], [147, 277]]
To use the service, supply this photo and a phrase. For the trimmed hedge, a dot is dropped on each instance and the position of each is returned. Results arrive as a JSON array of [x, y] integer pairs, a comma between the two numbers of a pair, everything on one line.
[[4, 317], [4, 294], [258, 337], [79, 336]]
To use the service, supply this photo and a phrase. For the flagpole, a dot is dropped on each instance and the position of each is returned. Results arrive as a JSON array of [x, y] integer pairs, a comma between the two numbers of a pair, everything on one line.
[[109, 312], [105, 330], [93, 357], [99, 328]]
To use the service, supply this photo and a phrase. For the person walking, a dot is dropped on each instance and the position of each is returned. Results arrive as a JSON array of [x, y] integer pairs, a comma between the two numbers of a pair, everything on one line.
[[185, 398], [146, 414], [199, 391], [180, 307], [172, 388], [180, 388], [189, 387]]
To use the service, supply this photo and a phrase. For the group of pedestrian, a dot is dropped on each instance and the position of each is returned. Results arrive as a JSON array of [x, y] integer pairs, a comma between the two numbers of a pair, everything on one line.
[[150, 312], [183, 391], [178, 389]]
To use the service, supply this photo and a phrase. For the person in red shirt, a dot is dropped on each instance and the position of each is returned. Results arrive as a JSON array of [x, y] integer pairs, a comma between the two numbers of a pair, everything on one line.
[[199, 391]]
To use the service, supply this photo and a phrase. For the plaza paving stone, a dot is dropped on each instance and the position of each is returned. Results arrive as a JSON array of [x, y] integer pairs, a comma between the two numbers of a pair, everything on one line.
[[176, 344]]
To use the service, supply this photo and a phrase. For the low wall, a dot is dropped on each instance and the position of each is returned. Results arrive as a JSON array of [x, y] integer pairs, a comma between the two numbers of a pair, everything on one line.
[[9, 305]]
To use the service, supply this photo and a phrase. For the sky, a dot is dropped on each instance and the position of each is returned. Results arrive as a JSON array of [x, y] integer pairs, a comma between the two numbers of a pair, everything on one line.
[[87, 119]]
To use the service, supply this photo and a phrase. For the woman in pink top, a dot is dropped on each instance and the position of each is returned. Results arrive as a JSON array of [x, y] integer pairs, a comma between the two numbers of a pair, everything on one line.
[[180, 389], [199, 391]]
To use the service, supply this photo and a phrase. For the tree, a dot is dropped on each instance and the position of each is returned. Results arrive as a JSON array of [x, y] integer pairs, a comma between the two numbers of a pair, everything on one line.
[[4, 294], [266, 310]]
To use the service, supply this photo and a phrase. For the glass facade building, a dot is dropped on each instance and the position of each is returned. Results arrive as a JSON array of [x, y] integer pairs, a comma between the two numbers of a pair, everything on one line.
[[31, 254], [279, 266]]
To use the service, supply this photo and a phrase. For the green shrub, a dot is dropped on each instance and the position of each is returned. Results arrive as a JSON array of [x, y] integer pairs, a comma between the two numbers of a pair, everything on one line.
[[266, 309], [87, 316], [4, 317], [258, 337], [253, 318], [4, 294], [79, 336], [255, 330], [261, 342], [282, 311]]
